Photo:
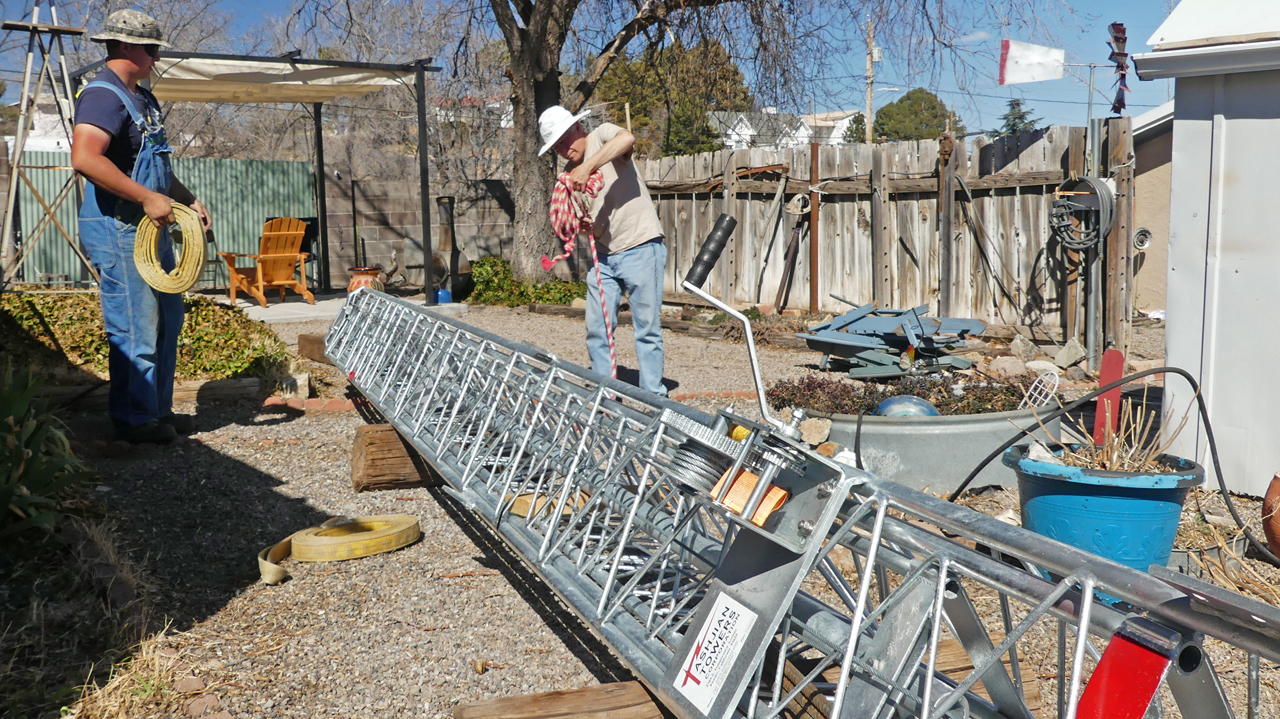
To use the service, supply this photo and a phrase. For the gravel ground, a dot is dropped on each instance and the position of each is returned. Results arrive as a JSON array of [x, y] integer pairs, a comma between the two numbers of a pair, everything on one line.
[[452, 619], [395, 635]]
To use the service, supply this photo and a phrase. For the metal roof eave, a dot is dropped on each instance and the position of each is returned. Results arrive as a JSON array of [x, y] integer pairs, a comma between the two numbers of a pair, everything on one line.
[[1211, 60]]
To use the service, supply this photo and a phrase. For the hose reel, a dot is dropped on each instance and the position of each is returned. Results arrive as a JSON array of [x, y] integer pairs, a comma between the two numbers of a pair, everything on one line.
[[1082, 213]]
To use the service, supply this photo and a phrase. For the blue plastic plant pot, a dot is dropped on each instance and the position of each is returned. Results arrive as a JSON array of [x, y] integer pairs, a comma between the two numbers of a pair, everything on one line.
[[1129, 518]]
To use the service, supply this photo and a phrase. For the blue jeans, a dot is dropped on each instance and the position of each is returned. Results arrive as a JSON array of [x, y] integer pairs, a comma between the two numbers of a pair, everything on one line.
[[638, 272], [142, 323]]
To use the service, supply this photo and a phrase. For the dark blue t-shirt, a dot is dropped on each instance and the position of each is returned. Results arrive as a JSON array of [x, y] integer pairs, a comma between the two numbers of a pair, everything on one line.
[[102, 108]]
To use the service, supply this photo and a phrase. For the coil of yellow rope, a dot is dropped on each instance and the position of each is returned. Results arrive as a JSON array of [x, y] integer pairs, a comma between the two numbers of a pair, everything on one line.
[[146, 252], [337, 539]]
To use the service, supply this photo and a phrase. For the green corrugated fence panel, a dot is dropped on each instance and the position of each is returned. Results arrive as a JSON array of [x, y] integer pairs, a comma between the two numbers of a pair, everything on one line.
[[52, 255], [240, 194]]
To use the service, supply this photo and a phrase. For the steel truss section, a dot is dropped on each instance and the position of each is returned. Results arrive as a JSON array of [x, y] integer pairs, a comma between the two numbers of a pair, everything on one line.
[[841, 603]]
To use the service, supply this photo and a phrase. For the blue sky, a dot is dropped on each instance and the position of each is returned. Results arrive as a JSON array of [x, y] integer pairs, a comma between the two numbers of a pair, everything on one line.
[[1056, 102]]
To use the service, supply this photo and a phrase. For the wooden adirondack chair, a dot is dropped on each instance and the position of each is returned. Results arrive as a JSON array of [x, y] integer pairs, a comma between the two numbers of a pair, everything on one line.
[[278, 260]]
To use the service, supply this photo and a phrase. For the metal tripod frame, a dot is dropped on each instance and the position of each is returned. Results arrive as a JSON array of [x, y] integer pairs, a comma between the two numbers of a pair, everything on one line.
[[64, 101]]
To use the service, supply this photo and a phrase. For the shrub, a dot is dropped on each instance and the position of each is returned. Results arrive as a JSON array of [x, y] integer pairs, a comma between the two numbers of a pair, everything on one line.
[[61, 334], [36, 462], [835, 396], [495, 285]]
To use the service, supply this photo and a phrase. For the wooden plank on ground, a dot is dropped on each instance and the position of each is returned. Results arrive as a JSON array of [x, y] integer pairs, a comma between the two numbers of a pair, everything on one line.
[[381, 459], [312, 347], [623, 700], [95, 396]]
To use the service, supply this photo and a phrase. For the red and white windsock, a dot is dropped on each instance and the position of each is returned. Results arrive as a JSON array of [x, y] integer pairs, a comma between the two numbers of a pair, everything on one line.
[[1023, 62]]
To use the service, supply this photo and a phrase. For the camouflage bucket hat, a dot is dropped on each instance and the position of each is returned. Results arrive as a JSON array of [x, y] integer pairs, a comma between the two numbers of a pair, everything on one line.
[[131, 26]]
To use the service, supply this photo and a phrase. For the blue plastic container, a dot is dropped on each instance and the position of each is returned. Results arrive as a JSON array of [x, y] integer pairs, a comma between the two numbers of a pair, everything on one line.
[[1128, 518], [443, 297]]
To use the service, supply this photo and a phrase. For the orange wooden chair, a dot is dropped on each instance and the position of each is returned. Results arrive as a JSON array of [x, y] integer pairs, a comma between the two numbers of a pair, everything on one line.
[[279, 258]]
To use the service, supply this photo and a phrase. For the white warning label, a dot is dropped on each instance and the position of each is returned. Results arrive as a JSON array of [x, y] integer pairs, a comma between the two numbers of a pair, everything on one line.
[[707, 666]]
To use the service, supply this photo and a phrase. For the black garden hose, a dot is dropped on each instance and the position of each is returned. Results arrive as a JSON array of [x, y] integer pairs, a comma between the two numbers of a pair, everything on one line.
[[1208, 430]]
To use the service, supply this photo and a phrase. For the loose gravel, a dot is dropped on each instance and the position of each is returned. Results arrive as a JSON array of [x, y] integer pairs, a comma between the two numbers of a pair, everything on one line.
[[452, 619]]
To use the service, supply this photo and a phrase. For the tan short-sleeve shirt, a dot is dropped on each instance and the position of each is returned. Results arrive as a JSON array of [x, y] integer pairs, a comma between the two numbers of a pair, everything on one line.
[[623, 215]]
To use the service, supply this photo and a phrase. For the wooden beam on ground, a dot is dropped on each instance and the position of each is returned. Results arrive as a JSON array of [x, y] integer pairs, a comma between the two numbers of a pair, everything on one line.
[[95, 396], [1008, 332], [381, 459], [623, 700], [312, 347]]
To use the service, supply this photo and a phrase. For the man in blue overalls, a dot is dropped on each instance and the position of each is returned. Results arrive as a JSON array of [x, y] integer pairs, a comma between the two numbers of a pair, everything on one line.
[[119, 146]]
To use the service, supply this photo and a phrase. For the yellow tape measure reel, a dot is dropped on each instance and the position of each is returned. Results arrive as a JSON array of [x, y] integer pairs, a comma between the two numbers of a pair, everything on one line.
[[146, 252]]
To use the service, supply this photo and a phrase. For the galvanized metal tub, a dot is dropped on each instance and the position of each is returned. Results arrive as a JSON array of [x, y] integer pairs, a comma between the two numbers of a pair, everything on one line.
[[937, 453]]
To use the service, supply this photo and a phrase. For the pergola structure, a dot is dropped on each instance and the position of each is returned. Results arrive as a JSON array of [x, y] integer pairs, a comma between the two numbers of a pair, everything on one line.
[[244, 79]]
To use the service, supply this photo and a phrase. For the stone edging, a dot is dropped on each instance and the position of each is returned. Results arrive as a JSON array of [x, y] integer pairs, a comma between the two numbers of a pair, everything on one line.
[[315, 404]]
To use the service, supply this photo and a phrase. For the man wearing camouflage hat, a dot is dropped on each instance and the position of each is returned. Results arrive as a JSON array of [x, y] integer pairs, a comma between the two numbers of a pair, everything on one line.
[[119, 146]]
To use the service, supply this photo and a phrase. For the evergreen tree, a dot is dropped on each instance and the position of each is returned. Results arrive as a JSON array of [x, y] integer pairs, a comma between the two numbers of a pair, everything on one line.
[[917, 115], [1016, 120], [671, 90], [857, 130], [688, 130]]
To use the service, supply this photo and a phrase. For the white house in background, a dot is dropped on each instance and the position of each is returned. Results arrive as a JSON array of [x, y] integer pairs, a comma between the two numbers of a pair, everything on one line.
[[774, 130], [768, 130], [46, 134], [829, 127]]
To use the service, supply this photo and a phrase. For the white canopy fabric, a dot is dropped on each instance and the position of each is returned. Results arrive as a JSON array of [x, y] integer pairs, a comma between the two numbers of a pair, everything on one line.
[[244, 81]]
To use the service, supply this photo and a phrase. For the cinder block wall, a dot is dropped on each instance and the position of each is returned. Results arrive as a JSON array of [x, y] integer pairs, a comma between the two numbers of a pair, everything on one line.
[[387, 218]]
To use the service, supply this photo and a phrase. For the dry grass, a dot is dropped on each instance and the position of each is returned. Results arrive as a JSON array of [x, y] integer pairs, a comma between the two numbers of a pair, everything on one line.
[[58, 628], [1133, 446], [141, 686]]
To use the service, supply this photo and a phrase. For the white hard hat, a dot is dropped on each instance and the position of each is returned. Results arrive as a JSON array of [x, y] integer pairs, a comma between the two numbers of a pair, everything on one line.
[[554, 122]]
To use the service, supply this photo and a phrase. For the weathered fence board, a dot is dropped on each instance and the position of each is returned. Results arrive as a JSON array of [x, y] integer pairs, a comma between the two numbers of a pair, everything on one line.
[[878, 226]]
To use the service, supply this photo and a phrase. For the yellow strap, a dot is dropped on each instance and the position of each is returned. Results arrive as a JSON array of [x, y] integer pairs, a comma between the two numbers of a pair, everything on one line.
[[337, 539]]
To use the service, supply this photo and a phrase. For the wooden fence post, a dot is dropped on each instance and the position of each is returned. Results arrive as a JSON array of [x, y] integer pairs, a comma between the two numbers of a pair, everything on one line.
[[814, 201], [946, 209], [881, 249], [1119, 258], [1074, 167]]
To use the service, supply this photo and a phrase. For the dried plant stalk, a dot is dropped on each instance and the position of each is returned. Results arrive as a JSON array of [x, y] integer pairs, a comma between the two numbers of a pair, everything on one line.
[[1133, 446]]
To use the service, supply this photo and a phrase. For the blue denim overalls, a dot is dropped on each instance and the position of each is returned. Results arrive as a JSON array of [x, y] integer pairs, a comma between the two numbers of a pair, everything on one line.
[[142, 323]]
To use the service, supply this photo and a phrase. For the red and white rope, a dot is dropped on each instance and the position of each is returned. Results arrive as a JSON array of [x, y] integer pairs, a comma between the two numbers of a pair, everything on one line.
[[568, 209]]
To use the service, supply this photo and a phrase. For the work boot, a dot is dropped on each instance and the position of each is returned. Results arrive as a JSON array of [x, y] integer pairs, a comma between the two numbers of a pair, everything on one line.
[[153, 432], [183, 424]]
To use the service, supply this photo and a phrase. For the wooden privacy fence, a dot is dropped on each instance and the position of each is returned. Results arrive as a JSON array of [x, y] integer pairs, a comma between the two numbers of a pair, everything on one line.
[[876, 233]]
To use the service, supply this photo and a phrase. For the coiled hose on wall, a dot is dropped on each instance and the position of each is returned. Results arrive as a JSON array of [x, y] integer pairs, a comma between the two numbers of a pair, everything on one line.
[[1065, 209], [146, 252]]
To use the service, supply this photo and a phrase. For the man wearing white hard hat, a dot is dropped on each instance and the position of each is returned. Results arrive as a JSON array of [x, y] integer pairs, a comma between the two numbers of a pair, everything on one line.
[[628, 236]]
